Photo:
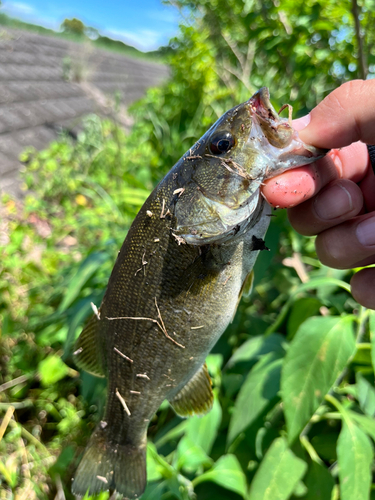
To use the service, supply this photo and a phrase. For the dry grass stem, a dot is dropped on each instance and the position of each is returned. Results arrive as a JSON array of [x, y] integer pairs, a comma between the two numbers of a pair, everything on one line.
[[134, 392], [196, 327], [196, 157], [143, 375], [163, 215], [227, 167], [226, 281], [123, 355], [180, 240], [160, 324], [164, 330], [60, 490], [27, 435], [179, 191], [144, 261], [101, 478], [15, 381], [95, 309], [290, 112], [122, 401], [298, 265], [6, 420]]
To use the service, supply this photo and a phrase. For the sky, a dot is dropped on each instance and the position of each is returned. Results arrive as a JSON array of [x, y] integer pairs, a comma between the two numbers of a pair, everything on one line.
[[145, 24]]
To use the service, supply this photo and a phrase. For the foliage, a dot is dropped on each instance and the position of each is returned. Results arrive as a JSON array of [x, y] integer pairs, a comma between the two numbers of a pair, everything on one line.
[[74, 26], [294, 373]]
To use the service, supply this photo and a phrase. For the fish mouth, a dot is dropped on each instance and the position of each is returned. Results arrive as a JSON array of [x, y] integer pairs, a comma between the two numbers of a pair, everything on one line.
[[260, 104], [279, 139]]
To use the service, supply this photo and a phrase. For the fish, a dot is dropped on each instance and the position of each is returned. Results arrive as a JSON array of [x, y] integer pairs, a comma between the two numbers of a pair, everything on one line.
[[176, 284]]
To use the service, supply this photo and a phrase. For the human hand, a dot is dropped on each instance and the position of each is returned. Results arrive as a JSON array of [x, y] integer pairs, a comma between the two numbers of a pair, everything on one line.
[[336, 195]]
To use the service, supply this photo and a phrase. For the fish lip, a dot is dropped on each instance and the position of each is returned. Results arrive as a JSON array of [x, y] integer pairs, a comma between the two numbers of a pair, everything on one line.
[[260, 105], [261, 109]]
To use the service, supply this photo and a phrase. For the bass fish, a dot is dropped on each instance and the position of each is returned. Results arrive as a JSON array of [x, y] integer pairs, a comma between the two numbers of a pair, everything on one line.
[[176, 285]]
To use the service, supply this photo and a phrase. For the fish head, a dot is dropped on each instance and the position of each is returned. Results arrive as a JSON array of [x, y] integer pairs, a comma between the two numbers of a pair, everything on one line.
[[222, 173]]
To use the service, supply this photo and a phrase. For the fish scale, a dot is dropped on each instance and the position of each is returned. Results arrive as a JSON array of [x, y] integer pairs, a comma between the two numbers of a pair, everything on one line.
[[176, 285]]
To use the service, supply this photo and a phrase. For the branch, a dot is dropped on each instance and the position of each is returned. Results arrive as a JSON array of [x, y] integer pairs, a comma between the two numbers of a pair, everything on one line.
[[361, 55]]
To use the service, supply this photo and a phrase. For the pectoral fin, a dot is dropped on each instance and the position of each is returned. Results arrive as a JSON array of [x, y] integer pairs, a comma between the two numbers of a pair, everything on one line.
[[88, 353], [247, 285], [196, 398], [246, 289]]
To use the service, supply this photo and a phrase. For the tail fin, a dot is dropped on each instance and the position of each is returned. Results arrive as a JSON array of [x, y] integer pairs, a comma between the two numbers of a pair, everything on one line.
[[106, 466]]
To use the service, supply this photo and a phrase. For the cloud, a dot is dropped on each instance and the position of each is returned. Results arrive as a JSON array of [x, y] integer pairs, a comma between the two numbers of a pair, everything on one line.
[[18, 8], [143, 39]]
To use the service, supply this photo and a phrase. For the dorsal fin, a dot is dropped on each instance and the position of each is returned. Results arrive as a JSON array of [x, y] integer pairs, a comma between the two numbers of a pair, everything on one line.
[[196, 397], [88, 353]]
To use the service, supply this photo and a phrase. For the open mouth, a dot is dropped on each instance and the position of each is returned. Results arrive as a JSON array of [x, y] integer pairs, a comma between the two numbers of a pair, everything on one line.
[[260, 104], [279, 131], [280, 140]]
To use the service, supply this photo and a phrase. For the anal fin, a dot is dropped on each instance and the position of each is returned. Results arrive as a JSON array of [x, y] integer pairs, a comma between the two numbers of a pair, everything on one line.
[[196, 398], [88, 353]]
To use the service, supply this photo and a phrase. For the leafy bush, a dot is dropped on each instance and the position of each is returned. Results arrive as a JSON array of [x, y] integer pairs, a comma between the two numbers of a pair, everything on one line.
[[293, 375]]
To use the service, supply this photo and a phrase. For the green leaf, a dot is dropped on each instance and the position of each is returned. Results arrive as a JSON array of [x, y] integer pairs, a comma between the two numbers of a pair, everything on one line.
[[313, 284], [366, 423], [354, 456], [300, 490], [153, 466], [87, 268], [278, 474], [366, 395], [202, 431], [257, 393], [191, 456], [255, 347], [51, 370], [226, 472], [302, 309], [319, 352], [319, 483], [175, 432]]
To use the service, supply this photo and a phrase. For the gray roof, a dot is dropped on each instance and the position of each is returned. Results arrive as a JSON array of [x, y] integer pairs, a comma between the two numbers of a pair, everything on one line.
[[39, 91]]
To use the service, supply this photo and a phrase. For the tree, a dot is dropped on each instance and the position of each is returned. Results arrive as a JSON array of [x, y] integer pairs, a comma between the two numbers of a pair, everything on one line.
[[73, 26]]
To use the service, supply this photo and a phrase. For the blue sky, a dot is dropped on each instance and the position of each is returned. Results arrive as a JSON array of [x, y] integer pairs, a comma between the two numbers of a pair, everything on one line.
[[145, 24]]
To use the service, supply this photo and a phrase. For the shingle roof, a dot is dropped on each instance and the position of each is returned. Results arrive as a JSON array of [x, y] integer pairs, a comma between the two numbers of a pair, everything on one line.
[[38, 92]]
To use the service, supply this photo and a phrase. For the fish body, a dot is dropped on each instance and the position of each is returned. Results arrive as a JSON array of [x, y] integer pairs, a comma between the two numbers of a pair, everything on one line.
[[176, 285]]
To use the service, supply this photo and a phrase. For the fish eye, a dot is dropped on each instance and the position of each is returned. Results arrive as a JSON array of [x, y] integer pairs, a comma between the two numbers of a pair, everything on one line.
[[221, 143]]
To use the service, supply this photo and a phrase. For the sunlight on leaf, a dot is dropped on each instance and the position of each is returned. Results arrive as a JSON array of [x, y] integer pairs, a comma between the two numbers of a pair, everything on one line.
[[319, 352], [278, 474], [227, 473], [256, 394], [354, 455]]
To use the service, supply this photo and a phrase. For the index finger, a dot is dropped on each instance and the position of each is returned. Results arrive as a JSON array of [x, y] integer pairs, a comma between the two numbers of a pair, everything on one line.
[[345, 116], [298, 185]]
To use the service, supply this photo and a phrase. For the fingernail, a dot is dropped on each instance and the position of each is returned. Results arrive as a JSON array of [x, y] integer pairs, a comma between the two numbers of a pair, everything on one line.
[[301, 123], [366, 232], [333, 202]]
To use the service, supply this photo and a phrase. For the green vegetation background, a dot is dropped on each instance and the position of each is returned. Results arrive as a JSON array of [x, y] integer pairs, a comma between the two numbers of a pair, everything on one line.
[[293, 375]]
